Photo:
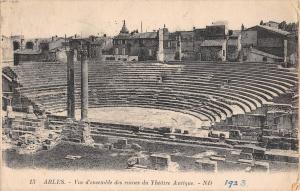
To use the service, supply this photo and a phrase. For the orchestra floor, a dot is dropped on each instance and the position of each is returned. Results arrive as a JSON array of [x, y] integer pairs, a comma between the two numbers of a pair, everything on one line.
[[145, 117]]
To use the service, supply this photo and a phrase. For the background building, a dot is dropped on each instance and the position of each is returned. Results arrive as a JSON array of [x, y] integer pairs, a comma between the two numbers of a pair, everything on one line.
[[234, 46], [141, 46], [264, 43]]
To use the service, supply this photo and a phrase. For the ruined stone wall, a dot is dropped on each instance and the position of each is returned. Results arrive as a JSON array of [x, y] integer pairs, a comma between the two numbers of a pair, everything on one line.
[[248, 120]]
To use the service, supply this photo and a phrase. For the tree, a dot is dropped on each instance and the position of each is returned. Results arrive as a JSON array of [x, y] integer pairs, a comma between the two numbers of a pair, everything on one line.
[[282, 25], [293, 27], [290, 27], [261, 22]]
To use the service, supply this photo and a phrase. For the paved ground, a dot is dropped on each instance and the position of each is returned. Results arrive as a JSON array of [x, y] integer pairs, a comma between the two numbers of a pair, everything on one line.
[[142, 116]]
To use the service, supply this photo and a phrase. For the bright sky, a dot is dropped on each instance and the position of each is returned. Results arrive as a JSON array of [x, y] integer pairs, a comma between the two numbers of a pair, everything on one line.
[[47, 18]]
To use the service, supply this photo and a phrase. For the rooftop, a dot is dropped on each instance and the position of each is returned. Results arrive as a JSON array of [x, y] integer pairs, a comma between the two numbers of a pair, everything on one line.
[[271, 29], [145, 35]]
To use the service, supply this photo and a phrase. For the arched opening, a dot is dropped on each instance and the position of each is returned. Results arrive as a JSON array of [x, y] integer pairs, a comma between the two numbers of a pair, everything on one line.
[[265, 59], [44, 46], [16, 45], [29, 45]]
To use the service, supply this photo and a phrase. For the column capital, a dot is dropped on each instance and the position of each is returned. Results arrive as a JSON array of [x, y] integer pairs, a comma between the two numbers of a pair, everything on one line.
[[84, 53]]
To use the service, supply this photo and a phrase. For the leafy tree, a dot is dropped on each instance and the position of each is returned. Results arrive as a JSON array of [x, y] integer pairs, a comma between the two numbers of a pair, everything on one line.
[[290, 27], [294, 27], [282, 25], [261, 22]]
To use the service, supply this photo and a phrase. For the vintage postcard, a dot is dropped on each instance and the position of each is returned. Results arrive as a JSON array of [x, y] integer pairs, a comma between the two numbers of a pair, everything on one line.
[[149, 95]]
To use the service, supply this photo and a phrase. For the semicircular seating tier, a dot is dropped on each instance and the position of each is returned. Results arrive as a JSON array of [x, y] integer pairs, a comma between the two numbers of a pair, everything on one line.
[[209, 91]]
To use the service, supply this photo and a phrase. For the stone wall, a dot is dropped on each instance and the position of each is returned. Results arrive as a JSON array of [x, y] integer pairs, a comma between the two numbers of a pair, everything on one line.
[[248, 120], [211, 53], [75, 131]]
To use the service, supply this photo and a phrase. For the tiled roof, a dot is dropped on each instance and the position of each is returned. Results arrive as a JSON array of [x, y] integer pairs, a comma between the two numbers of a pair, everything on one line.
[[216, 42], [137, 35], [272, 29], [144, 35]]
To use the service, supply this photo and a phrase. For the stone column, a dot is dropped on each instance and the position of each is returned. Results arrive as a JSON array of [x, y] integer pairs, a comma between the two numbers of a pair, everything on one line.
[[84, 126], [179, 47], [160, 51], [70, 84], [75, 55], [284, 50], [84, 85]]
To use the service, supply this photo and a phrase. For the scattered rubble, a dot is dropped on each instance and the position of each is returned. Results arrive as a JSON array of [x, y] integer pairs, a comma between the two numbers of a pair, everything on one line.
[[73, 157]]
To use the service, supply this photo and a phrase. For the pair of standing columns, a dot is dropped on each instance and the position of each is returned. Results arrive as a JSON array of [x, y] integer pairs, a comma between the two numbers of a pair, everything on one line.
[[71, 85]]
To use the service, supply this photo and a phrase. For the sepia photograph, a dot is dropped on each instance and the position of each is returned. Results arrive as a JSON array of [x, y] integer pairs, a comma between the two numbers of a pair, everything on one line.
[[149, 95]]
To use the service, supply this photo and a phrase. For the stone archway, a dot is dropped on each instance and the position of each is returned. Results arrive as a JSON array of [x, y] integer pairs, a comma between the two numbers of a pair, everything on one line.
[[29, 45], [16, 45]]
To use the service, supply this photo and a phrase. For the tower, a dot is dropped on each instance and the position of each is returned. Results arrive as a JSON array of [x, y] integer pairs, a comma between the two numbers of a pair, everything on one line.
[[124, 29]]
